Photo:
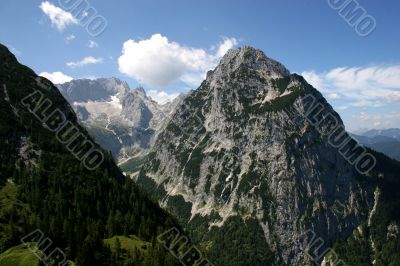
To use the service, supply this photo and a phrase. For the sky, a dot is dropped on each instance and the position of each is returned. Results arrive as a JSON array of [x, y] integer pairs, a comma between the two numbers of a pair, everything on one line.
[[168, 46]]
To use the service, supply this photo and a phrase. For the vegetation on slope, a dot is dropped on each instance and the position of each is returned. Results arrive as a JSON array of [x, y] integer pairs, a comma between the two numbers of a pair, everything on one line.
[[50, 190]]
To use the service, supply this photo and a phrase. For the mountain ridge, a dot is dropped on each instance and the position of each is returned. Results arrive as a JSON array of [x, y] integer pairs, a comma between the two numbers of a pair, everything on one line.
[[385, 141]]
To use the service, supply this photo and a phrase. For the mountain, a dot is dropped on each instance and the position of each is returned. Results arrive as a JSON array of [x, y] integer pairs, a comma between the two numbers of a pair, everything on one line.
[[372, 140], [360, 131], [59, 189], [123, 120], [257, 181], [385, 141], [391, 133], [390, 148]]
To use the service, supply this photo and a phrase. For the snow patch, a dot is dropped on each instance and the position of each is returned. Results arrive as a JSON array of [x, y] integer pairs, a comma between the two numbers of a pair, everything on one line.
[[111, 108]]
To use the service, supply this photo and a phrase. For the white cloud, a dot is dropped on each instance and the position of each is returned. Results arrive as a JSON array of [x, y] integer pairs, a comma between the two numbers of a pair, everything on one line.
[[366, 103], [159, 62], [70, 38], [334, 96], [58, 17], [364, 115], [89, 60], [377, 124], [366, 86], [378, 118], [56, 77], [227, 44], [161, 96], [92, 44], [342, 107], [91, 77], [314, 79]]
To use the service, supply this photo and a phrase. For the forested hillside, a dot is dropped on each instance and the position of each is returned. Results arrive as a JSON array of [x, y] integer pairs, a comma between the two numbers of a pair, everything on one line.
[[43, 186]]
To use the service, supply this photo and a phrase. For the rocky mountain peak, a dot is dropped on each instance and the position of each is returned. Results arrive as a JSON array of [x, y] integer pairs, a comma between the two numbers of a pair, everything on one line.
[[139, 94], [246, 77], [141, 89], [250, 58], [239, 147], [83, 90]]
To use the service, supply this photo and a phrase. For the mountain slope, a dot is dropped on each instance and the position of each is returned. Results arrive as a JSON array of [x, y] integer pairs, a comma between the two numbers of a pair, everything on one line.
[[43, 186], [381, 143], [240, 158], [376, 241], [390, 148]]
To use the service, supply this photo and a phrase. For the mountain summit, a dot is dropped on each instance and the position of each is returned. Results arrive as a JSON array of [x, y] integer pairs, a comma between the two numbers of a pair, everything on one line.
[[250, 57]]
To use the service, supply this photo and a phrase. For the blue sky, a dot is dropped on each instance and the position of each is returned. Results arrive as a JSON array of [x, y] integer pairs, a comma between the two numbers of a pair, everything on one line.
[[360, 76]]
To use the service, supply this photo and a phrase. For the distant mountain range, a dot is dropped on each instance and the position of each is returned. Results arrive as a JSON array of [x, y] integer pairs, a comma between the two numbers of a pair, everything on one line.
[[391, 133], [125, 121], [386, 141]]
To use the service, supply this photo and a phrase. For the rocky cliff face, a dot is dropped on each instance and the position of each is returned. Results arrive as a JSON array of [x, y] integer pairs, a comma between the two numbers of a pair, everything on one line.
[[123, 120], [239, 152]]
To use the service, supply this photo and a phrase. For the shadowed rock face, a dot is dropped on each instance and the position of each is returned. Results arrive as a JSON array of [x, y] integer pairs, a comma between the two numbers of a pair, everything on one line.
[[135, 109], [240, 147]]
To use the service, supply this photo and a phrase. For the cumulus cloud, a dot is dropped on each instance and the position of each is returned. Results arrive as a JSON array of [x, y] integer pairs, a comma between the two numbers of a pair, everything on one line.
[[58, 17], [365, 86], [89, 60], [159, 62], [92, 44], [161, 96], [56, 77], [227, 44]]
